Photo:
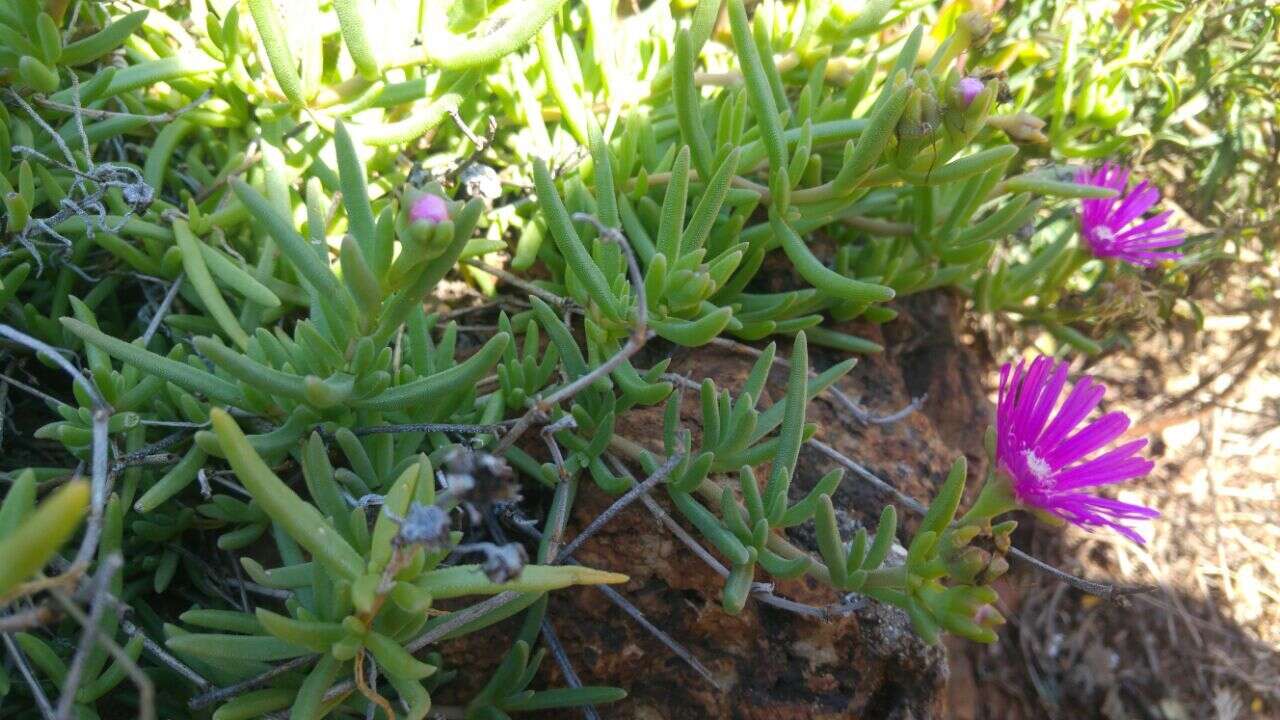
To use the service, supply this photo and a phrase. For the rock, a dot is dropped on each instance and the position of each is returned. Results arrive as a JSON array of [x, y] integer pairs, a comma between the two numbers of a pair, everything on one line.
[[771, 664]]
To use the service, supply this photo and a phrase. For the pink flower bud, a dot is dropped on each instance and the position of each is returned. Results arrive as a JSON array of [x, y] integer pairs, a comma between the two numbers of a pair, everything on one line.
[[988, 617], [969, 88], [429, 207]]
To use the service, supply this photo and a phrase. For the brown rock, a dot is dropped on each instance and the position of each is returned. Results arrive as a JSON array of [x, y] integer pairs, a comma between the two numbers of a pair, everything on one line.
[[771, 664]]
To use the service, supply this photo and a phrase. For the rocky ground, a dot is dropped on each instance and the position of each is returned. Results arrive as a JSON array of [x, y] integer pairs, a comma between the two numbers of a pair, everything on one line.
[[770, 663], [1201, 644]]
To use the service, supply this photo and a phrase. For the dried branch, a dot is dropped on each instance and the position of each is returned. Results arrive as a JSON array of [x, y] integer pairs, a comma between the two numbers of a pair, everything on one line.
[[620, 504], [634, 613], [163, 310], [219, 695], [35, 617], [89, 637], [551, 298], [146, 689], [540, 407], [37, 692], [566, 668], [94, 114], [432, 428], [101, 414], [145, 455], [762, 592]]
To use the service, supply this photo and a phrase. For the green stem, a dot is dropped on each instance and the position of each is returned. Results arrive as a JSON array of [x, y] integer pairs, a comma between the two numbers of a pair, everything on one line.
[[894, 578], [444, 49], [995, 499]]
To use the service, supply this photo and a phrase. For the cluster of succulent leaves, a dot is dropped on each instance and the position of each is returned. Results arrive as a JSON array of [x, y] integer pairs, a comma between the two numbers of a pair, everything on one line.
[[261, 167]]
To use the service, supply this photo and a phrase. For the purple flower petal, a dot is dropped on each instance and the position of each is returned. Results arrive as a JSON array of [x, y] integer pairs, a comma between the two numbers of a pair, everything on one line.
[[1114, 466], [1048, 399], [1141, 199], [1084, 397], [1032, 387], [1093, 436], [1090, 512]]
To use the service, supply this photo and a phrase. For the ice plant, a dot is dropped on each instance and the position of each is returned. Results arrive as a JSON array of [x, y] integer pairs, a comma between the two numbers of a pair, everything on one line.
[[362, 227], [1043, 456], [1108, 223]]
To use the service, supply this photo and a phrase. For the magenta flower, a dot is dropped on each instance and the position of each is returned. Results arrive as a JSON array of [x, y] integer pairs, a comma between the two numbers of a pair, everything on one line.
[[1107, 223], [969, 88], [429, 207], [1043, 455]]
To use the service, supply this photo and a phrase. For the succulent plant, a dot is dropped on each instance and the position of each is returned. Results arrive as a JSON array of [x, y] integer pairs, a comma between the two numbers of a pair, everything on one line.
[[254, 228]]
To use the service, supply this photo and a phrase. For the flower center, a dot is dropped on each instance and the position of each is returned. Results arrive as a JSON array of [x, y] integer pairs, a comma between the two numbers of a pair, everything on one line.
[[1037, 465], [1104, 234]]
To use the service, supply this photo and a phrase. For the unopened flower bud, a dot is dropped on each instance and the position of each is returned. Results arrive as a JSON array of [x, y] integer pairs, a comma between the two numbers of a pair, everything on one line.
[[1002, 535], [962, 536], [967, 566], [988, 617], [977, 25], [429, 207], [968, 89], [997, 567], [1020, 127]]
